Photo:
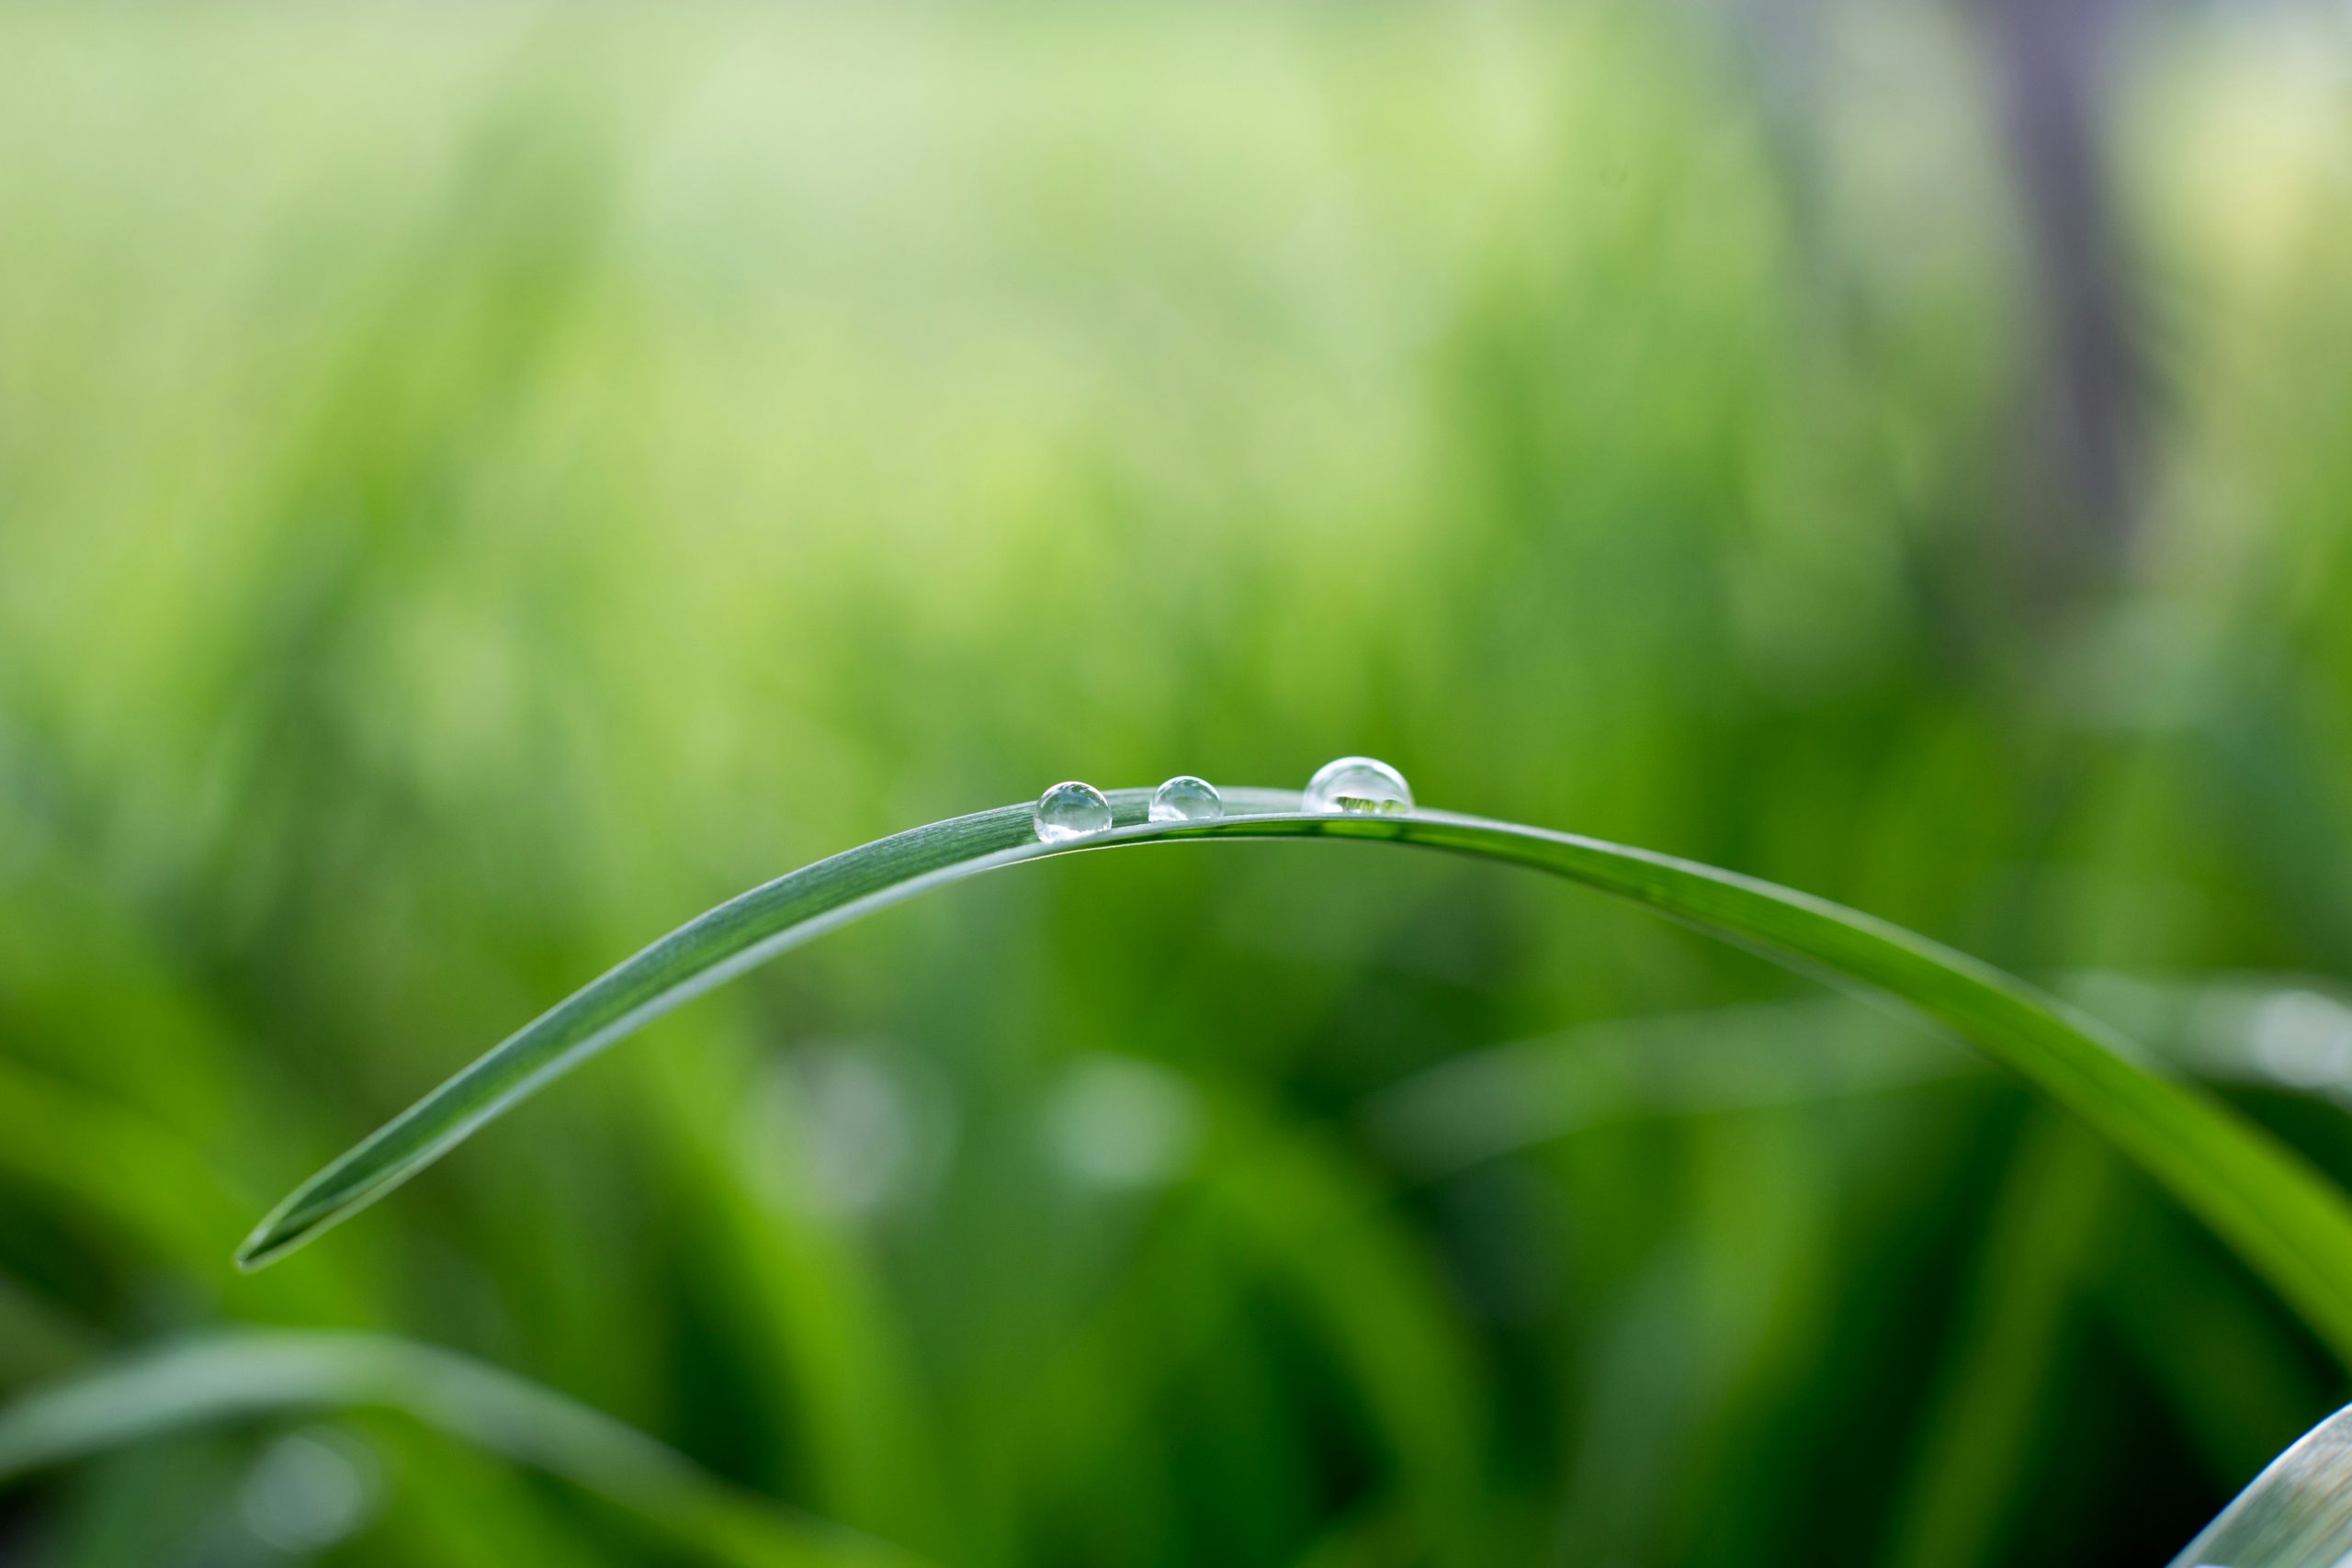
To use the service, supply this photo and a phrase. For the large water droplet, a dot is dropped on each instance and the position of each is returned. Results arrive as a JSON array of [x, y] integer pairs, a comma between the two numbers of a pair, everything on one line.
[[1358, 784], [1186, 799], [1070, 810]]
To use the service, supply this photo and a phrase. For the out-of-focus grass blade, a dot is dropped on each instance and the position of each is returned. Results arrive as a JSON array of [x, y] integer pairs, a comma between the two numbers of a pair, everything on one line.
[[2297, 1513], [1499, 1101], [37, 1340], [2040, 1249], [2288, 1221], [238, 1375]]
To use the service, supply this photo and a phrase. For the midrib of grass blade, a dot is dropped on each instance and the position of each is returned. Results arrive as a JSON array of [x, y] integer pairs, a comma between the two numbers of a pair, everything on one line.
[[2291, 1225]]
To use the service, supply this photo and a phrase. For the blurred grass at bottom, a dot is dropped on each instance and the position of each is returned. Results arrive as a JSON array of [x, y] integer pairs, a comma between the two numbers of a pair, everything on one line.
[[477, 487]]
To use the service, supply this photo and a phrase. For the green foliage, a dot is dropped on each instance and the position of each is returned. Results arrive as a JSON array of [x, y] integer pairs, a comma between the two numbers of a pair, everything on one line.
[[225, 1378], [479, 486]]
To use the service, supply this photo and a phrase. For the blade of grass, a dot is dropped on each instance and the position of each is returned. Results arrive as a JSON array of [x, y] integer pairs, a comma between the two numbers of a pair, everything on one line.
[[2291, 1225], [237, 1375], [2297, 1513]]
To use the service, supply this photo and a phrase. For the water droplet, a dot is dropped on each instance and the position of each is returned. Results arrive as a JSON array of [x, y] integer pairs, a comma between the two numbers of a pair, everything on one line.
[[1358, 784], [1186, 799], [1069, 811]]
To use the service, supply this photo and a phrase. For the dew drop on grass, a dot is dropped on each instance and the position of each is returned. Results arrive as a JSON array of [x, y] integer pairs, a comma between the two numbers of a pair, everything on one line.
[[1358, 785], [1186, 799], [1070, 810]]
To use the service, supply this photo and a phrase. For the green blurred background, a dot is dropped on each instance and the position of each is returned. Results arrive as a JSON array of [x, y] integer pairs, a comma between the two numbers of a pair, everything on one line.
[[479, 485]]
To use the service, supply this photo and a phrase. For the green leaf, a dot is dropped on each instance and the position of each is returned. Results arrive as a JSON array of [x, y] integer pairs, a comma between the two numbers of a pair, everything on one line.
[[2297, 1513], [2292, 1225], [229, 1376]]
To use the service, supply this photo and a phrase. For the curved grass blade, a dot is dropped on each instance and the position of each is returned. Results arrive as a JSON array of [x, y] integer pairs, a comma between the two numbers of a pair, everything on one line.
[[2297, 1514], [2289, 1222], [230, 1376]]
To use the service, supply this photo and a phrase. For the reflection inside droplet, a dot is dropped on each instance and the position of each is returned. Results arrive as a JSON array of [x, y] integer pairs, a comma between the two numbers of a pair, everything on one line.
[[1358, 785], [1070, 810], [1186, 799]]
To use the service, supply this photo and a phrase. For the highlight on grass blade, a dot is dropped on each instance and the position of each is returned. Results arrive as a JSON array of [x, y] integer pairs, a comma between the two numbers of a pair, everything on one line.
[[2289, 1222]]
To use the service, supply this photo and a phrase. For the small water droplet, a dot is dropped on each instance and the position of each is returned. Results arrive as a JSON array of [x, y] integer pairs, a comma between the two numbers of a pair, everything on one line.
[[1186, 799], [1070, 810], [1358, 785]]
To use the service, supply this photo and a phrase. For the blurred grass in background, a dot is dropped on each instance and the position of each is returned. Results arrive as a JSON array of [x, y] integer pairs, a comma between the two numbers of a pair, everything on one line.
[[479, 486]]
